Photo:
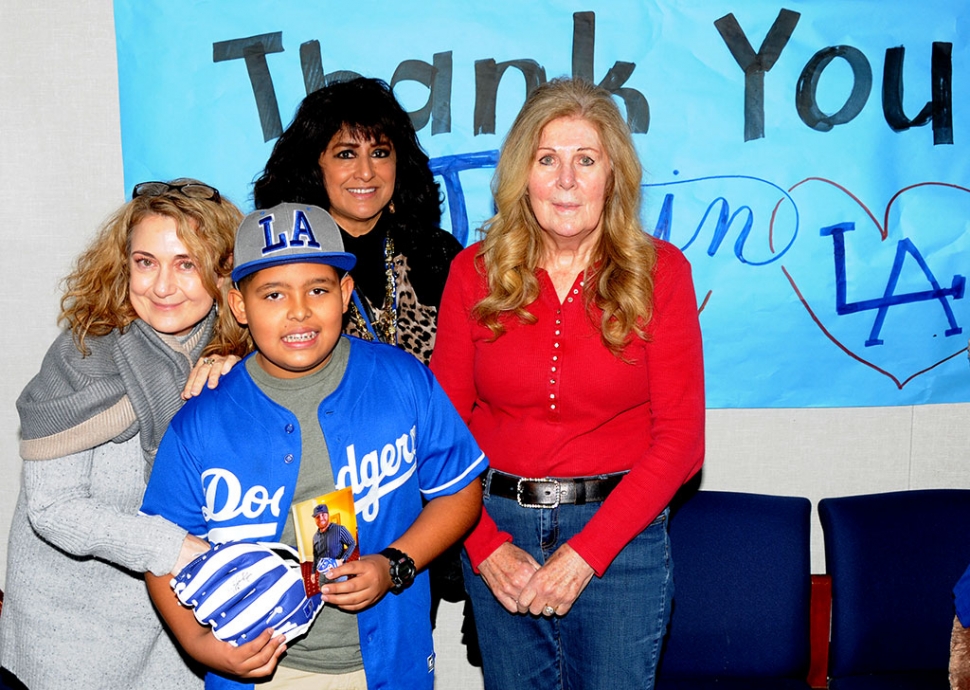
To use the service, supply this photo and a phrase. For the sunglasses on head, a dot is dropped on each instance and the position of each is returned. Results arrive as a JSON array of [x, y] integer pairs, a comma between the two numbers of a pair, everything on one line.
[[192, 190]]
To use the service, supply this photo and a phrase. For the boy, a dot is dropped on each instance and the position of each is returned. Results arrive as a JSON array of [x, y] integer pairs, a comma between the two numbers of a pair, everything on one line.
[[308, 412]]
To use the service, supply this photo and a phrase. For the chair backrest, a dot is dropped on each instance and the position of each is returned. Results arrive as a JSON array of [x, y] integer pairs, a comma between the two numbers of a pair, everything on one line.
[[742, 581], [894, 559]]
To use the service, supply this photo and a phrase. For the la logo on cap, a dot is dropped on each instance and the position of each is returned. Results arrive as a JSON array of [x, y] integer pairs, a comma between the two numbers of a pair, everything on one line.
[[301, 234]]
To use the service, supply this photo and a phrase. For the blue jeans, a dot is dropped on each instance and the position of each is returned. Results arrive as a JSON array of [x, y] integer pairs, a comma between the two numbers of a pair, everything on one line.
[[609, 640]]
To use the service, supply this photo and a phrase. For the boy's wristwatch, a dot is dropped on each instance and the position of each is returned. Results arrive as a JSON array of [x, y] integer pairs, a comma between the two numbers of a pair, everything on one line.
[[402, 569]]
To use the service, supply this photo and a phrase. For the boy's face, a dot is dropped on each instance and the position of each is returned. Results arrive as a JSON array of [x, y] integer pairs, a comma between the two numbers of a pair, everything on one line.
[[295, 316]]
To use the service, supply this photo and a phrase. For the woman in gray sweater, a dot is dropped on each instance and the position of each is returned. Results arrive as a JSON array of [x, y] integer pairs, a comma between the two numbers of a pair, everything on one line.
[[144, 303]]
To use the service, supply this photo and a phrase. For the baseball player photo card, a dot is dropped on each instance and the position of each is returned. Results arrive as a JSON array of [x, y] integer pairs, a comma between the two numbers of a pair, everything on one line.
[[326, 535]]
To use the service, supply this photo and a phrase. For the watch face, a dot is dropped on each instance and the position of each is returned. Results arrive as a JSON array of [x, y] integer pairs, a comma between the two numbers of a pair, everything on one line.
[[402, 568], [402, 573]]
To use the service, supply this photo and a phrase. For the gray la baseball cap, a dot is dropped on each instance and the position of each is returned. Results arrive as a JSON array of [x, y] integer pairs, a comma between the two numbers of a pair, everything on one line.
[[288, 234]]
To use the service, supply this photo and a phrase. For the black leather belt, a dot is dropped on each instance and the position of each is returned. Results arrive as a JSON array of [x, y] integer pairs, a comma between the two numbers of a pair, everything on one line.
[[549, 492]]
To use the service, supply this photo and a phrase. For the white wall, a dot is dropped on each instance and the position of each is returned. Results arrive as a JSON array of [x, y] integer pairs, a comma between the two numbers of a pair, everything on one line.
[[60, 175]]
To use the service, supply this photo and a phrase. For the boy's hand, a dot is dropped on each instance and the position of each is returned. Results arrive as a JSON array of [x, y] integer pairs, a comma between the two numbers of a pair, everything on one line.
[[369, 579], [256, 659]]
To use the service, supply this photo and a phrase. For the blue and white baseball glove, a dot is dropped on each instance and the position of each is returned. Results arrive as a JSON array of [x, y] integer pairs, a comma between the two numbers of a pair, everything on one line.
[[243, 588], [325, 565]]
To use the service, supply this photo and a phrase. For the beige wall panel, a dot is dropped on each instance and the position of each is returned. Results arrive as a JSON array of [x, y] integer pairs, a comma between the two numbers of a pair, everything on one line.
[[941, 447], [811, 452]]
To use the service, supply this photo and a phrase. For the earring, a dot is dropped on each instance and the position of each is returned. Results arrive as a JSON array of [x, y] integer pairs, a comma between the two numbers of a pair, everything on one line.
[[390, 207]]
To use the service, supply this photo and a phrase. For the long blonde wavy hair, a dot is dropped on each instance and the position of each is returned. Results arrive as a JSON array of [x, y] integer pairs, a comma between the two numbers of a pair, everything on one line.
[[512, 247], [96, 301]]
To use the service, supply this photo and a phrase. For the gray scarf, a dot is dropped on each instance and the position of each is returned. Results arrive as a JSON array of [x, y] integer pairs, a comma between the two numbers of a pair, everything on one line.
[[72, 404]]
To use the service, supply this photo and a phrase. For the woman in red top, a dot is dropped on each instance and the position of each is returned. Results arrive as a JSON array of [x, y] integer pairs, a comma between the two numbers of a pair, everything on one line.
[[569, 341]]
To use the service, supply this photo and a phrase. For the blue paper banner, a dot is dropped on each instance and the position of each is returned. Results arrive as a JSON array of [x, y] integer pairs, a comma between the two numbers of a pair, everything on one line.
[[810, 158]]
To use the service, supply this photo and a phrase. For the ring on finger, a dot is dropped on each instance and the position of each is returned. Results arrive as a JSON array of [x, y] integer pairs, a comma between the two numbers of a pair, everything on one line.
[[548, 611], [208, 361]]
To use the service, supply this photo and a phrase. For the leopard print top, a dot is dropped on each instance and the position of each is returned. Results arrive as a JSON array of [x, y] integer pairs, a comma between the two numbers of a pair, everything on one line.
[[421, 262], [416, 322]]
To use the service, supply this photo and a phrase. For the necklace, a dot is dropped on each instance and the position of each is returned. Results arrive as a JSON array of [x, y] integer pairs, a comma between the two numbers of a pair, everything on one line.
[[383, 325]]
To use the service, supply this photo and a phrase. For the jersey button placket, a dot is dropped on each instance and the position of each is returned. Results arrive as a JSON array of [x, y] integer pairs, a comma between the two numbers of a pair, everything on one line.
[[289, 428]]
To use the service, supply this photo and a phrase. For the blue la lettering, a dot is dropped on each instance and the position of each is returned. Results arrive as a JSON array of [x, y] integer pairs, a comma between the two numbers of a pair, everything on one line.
[[301, 228], [890, 297], [268, 245], [301, 234]]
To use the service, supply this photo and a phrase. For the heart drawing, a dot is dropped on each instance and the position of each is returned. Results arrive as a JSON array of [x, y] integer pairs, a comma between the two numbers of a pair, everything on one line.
[[893, 306]]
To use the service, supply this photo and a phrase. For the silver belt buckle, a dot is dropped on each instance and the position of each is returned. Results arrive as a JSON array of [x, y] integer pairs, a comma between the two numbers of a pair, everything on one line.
[[518, 492]]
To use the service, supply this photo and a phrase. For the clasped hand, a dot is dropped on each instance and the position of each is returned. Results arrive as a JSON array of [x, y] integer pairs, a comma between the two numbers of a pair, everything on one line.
[[521, 585]]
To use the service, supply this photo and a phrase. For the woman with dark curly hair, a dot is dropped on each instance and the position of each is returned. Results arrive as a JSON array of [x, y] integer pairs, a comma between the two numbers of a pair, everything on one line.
[[353, 151]]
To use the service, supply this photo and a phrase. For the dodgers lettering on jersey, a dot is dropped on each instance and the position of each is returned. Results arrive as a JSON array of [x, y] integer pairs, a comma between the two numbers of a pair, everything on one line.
[[368, 478], [225, 501], [378, 473]]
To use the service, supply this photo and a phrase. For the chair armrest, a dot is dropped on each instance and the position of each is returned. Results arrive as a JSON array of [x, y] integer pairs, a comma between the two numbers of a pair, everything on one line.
[[820, 625]]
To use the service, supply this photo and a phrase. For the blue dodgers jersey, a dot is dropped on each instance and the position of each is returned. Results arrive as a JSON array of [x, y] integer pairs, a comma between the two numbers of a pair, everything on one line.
[[228, 464]]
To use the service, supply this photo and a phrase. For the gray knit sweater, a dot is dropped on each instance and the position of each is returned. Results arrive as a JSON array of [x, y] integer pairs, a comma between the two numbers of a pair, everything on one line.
[[76, 611]]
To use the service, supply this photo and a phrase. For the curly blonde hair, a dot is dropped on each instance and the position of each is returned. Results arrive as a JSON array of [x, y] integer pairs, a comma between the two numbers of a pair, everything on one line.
[[96, 301], [512, 247]]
